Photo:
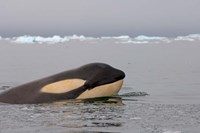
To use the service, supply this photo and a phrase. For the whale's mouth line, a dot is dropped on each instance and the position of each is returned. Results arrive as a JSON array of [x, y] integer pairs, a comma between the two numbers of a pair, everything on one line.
[[109, 89], [67, 85]]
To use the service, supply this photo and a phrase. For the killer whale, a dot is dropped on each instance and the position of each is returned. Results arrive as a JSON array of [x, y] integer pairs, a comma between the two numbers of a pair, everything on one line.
[[88, 81]]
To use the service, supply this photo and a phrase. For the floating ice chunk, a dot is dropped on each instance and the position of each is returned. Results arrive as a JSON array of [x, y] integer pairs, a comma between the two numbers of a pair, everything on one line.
[[191, 37], [24, 39], [51, 40], [124, 37], [0, 37], [181, 38], [106, 37], [80, 38], [134, 42], [142, 39], [150, 38], [39, 39], [195, 36], [54, 39], [75, 37]]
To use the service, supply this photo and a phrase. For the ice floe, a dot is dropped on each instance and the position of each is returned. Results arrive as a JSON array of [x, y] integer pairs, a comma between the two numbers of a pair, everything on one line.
[[51, 40], [141, 39], [80, 38], [191, 37], [135, 42], [39, 39], [124, 37]]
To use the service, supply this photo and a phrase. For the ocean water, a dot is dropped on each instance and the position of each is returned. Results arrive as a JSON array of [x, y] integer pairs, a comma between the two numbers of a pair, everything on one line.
[[167, 69]]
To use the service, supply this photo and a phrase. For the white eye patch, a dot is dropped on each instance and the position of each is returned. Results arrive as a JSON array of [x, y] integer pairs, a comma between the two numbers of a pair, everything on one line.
[[63, 86]]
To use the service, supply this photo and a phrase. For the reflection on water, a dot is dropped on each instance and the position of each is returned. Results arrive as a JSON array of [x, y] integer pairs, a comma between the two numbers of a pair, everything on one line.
[[95, 115], [101, 115], [85, 116], [96, 112]]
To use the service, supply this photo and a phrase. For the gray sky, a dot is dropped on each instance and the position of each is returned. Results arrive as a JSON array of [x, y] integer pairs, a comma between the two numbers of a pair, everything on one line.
[[99, 17]]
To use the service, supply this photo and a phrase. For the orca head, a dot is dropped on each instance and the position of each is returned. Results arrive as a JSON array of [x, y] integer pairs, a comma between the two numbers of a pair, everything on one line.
[[101, 80], [100, 74]]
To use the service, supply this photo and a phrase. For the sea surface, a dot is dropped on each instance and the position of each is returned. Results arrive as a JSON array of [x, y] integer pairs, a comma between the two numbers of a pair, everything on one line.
[[167, 69]]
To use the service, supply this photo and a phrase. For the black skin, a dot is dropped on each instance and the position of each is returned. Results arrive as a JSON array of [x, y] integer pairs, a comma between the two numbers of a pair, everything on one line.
[[95, 74]]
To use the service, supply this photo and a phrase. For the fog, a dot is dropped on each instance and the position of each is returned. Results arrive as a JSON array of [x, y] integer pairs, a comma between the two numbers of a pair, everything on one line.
[[99, 18]]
